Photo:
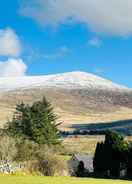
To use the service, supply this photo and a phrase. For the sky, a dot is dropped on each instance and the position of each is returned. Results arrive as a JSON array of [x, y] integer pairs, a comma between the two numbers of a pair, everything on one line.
[[40, 37]]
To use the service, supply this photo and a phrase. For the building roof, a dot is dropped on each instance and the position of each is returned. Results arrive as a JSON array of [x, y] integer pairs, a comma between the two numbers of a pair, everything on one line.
[[86, 159]]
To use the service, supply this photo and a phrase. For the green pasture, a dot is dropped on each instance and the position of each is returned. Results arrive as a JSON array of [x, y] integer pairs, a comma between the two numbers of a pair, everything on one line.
[[56, 180]]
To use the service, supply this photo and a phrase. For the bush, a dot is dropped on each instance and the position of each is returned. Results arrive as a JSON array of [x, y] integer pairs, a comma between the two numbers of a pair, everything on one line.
[[26, 150], [8, 148], [49, 166], [29, 150]]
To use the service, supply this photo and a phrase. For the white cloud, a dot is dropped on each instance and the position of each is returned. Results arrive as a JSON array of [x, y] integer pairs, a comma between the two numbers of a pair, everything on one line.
[[36, 54], [95, 42], [112, 17], [9, 43], [10, 47], [59, 53], [12, 68]]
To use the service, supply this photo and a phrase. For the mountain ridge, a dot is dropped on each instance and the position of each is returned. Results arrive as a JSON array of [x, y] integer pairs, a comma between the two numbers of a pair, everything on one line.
[[73, 80]]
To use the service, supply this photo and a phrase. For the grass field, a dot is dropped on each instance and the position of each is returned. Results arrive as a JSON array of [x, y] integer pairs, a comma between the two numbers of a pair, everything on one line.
[[85, 144], [82, 144], [55, 180]]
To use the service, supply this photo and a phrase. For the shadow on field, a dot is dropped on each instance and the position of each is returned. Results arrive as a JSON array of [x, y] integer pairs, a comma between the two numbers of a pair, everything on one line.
[[124, 127]]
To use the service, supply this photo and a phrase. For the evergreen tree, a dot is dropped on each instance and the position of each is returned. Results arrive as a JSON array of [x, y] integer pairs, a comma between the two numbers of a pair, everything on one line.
[[110, 155], [36, 122], [80, 169], [114, 148], [97, 158], [100, 158], [129, 161]]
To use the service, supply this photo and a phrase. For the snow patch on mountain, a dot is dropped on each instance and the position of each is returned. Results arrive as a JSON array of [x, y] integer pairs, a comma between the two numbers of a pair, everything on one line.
[[72, 80]]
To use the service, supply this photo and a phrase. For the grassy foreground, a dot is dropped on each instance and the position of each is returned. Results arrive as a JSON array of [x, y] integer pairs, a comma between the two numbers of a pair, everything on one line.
[[55, 180]]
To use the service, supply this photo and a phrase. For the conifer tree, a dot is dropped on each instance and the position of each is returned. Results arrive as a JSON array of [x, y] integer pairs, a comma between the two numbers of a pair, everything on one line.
[[110, 154], [36, 122]]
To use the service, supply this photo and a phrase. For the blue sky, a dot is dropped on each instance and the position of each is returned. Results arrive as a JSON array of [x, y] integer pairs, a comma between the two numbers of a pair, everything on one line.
[[38, 38]]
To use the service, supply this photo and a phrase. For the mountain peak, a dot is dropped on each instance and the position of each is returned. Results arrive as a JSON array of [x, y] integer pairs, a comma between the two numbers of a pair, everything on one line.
[[75, 79]]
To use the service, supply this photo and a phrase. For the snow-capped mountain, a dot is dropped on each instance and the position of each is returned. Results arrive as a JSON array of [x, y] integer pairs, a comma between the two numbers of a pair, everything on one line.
[[76, 96], [72, 80]]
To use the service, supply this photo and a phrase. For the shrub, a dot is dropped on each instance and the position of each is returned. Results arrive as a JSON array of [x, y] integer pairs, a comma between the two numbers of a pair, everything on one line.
[[29, 150], [8, 148], [49, 166], [26, 150]]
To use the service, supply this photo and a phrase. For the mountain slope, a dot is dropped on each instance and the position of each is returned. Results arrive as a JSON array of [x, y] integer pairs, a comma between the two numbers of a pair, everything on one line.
[[76, 96]]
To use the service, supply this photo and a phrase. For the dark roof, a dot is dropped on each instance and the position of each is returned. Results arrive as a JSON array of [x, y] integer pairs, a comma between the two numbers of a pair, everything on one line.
[[86, 159]]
